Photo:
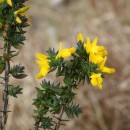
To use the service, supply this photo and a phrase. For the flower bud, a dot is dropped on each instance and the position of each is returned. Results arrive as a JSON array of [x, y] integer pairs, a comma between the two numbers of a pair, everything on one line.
[[4, 34], [6, 27], [0, 25]]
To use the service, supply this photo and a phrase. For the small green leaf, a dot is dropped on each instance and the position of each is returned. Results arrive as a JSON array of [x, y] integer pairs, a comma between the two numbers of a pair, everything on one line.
[[73, 110], [18, 72], [2, 65], [13, 91], [20, 76]]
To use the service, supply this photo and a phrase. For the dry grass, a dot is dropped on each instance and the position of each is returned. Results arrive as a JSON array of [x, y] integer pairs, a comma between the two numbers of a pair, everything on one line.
[[56, 20]]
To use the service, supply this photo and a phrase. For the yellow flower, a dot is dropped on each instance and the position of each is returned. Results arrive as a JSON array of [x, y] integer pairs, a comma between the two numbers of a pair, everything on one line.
[[96, 80], [80, 37], [63, 53], [96, 53], [106, 69], [21, 12], [95, 58], [43, 63], [102, 51], [1, 1], [9, 2], [0, 25], [91, 47]]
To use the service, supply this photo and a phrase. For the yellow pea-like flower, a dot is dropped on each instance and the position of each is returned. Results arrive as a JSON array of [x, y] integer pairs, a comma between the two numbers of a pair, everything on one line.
[[105, 69], [43, 63], [21, 12], [64, 53], [0, 25], [1, 1], [96, 80], [9, 2], [18, 19], [102, 51], [96, 59], [80, 37], [91, 47]]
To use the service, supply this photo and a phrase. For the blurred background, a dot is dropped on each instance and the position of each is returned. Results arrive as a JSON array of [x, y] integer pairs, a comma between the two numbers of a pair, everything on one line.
[[61, 20]]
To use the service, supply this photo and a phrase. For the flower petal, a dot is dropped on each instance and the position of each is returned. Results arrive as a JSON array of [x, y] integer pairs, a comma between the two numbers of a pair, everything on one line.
[[94, 43], [44, 71], [39, 76], [96, 59], [1, 1], [41, 56], [96, 80], [108, 70], [9, 2], [18, 20], [80, 37]]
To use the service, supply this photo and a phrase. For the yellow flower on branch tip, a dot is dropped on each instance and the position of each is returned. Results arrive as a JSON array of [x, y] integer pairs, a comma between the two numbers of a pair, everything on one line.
[[95, 58], [80, 37], [105, 69], [0, 25], [1, 1], [9, 2], [43, 63], [21, 12], [91, 47], [64, 53], [102, 51], [96, 80]]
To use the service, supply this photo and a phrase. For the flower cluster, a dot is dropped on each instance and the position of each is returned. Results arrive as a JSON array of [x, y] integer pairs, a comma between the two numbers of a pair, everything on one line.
[[92, 60], [44, 60], [18, 14], [97, 55], [21, 12]]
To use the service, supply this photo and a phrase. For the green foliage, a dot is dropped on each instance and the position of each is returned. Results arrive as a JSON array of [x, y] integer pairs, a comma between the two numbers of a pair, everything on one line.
[[46, 123], [82, 52], [13, 30], [14, 91], [82, 65], [18, 72], [2, 64], [13, 20], [73, 110], [53, 98], [50, 98]]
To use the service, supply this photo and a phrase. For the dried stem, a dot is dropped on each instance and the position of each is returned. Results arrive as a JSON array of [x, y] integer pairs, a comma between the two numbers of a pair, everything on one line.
[[37, 124], [57, 124], [5, 91]]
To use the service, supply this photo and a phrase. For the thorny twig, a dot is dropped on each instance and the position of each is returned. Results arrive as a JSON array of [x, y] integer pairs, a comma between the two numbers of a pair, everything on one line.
[[59, 118], [5, 91]]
